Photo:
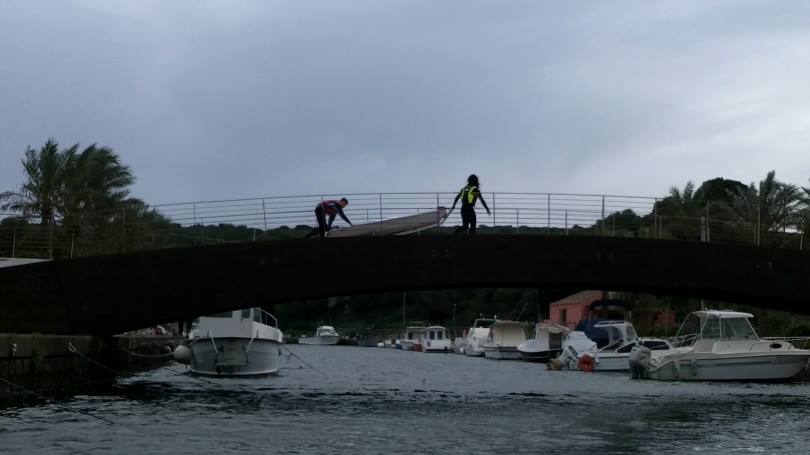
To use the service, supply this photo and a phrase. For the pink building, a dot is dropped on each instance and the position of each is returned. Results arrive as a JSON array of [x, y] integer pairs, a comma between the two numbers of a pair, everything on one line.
[[574, 308]]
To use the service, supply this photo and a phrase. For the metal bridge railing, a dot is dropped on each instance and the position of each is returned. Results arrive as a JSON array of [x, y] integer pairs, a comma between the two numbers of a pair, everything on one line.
[[241, 220]]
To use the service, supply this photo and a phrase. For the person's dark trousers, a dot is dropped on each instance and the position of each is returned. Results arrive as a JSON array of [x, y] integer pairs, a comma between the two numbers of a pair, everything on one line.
[[321, 229], [468, 221]]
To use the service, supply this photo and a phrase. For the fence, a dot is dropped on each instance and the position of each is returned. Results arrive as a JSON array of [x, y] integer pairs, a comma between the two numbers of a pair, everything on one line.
[[240, 220]]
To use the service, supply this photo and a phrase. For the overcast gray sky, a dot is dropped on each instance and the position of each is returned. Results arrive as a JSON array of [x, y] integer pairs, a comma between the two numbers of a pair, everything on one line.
[[215, 100]]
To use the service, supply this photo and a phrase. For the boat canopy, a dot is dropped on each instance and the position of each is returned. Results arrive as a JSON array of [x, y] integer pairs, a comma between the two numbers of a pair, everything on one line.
[[718, 325], [551, 327], [722, 314]]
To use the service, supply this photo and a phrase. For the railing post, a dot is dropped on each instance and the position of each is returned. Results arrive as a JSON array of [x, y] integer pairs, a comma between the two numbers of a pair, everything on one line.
[[381, 213], [194, 210], [548, 210], [264, 214], [602, 222], [494, 214], [566, 221], [14, 243], [438, 218], [655, 218], [517, 217]]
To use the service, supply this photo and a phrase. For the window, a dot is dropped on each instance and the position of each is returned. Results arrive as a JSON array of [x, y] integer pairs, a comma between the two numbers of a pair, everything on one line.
[[563, 315], [439, 335], [246, 313], [221, 315], [711, 328], [736, 329]]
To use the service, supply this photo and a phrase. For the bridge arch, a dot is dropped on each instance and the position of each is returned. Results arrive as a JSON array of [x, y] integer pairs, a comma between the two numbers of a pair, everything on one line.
[[111, 294]]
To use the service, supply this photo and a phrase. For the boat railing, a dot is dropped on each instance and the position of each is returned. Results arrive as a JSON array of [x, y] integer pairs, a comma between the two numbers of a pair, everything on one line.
[[266, 317], [683, 340], [794, 341]]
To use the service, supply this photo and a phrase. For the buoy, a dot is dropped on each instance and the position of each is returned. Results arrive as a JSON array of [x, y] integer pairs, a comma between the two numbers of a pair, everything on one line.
[[182, 354], [585, 363]]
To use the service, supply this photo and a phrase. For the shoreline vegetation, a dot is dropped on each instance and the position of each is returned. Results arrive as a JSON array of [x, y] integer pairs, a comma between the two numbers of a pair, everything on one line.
[[76, 202]]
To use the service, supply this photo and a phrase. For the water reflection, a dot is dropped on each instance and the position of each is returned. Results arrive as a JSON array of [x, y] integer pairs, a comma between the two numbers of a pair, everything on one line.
[[377, 400]]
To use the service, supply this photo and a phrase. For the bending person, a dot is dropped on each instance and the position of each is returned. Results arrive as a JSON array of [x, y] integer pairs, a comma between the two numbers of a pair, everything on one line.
[[331, 208]]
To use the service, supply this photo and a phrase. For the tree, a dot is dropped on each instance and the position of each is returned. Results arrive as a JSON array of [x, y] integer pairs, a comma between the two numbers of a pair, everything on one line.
[[96, 183], [41, 195], [70, 187], [769, 204], [681, 203]]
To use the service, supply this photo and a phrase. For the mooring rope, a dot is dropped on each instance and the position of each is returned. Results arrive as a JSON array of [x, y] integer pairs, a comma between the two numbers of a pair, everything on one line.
[[74, 350], [51, 401], [303, 361]]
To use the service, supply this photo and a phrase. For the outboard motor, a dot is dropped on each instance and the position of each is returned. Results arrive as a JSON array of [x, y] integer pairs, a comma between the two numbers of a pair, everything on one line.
[[639, 362], [182, 354]]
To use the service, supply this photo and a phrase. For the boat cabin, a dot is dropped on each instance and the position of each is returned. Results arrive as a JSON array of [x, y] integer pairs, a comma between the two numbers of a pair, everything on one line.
[[716, 325]]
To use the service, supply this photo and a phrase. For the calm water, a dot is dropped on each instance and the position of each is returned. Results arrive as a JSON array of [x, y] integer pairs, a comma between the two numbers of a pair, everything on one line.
[[387, 401]]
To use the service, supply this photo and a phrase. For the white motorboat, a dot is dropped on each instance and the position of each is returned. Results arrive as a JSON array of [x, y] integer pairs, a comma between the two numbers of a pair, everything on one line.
[[324, 335], [504, 338], [546, 344], [412, 338], [437, 340], [474, 339], [235, 343], [714, 345], [581, 353]]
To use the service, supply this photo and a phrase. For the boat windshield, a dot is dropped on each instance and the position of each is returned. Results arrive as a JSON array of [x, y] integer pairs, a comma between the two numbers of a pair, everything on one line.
[[737, 329], [690, 330], [713, 327], [221, 315]]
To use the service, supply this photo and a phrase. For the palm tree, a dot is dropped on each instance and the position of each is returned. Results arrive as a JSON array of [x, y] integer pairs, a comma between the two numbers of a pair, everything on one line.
[[41, 194], [69, 186], [681, 203], [96, 186], [769, 204]]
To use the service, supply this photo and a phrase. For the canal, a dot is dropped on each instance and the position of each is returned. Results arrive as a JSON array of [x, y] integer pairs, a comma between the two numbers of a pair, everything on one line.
[[372, 400]]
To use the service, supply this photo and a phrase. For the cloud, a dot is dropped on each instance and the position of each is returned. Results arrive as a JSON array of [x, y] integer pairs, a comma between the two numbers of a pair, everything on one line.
[[216, 100]]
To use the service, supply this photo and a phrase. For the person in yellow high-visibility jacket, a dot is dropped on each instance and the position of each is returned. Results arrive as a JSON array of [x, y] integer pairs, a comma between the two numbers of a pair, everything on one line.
[[469, 195]]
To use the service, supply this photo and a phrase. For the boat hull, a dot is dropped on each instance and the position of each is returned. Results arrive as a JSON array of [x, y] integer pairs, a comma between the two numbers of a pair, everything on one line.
[[235, 357], [320, 340], [611, 362], [755, 367], [501, 353], [539, 356]]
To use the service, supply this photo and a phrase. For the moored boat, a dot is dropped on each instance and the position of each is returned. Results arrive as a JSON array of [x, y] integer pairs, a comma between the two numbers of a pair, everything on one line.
[[437, 340], [324, 335], [474, 339], [413, 336], [504, 339], [546, 344], [234, 343], [715, 345]]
